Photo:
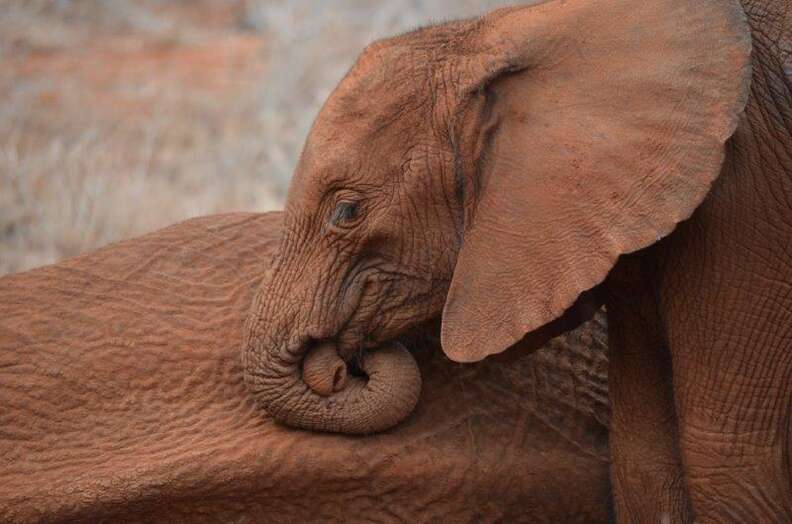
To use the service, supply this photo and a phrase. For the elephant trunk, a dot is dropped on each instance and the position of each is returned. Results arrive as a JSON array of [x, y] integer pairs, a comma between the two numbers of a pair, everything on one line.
[[313, 389]]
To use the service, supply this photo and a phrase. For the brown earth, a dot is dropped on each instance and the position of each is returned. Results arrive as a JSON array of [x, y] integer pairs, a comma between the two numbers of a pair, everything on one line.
[[108, 131]]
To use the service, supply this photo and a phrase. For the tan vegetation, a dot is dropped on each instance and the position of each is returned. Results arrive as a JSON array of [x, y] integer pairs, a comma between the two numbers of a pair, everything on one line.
[[118, 117]]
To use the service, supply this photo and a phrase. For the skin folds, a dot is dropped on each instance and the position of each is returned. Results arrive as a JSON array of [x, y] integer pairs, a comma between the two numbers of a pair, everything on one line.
[[123, 400]]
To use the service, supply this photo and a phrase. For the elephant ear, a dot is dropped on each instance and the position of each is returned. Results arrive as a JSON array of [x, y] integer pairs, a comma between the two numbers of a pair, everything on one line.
[[599, 124]]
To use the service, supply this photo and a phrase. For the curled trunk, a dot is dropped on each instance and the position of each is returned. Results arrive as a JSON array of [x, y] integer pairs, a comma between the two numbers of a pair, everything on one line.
[[318, 392]]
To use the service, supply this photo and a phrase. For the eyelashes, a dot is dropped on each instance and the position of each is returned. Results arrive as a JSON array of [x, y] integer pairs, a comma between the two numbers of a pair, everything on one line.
[[344, 213]]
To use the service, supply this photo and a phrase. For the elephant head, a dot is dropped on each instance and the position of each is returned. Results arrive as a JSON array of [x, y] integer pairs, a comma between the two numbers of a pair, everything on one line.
[[490, 171]]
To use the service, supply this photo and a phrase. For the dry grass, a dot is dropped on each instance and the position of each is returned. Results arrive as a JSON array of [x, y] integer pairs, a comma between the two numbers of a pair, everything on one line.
[[119, 117]]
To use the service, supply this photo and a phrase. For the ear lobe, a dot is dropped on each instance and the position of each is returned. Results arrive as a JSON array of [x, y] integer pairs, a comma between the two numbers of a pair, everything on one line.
[[609, 134]]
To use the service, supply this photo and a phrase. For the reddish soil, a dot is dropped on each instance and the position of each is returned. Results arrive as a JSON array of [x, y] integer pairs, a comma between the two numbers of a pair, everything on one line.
[[123, 74]]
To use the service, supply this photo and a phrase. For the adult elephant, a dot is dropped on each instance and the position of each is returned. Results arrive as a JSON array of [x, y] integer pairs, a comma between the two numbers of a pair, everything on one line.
[[122, 400], [494, 172]]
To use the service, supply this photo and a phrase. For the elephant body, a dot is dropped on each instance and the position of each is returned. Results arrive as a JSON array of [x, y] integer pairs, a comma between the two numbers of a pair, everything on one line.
[[701, 326], [122, 400]]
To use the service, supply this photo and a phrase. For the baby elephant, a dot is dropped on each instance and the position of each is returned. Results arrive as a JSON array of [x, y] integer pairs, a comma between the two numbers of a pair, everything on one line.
[[507, 175]]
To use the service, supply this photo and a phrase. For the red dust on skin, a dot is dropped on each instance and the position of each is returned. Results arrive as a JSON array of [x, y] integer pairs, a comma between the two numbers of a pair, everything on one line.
[[435, 180], [115, 409], [571, 134]]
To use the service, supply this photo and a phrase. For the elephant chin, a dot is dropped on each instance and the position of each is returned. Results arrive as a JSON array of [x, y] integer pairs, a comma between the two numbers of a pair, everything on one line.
[[320, 394]]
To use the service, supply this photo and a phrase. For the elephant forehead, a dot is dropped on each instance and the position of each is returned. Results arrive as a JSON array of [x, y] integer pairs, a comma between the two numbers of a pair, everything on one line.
[[343, 159], [122, 393]]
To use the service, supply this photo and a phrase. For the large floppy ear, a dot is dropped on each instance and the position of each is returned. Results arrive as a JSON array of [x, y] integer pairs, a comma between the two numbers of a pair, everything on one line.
[[601, 125]]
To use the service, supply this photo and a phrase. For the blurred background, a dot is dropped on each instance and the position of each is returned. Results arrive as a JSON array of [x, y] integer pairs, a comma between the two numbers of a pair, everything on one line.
[[118, 117]]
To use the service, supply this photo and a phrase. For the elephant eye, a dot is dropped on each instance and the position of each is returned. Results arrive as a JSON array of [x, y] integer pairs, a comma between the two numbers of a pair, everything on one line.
[[345, 211]]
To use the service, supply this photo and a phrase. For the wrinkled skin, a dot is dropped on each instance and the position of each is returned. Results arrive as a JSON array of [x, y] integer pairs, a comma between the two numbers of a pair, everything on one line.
[[492, 173], [122, 400], [709, 310]]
